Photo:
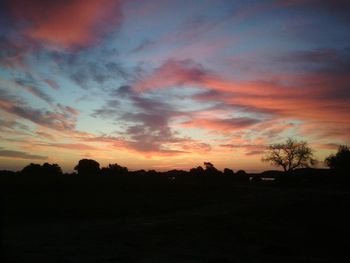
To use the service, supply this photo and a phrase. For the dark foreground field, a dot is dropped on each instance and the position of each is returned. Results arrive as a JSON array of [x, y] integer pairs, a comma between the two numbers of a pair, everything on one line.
[[151, 219]]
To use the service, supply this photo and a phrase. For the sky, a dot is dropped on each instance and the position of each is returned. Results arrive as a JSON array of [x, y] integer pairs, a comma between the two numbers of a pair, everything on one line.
[[170, 84]]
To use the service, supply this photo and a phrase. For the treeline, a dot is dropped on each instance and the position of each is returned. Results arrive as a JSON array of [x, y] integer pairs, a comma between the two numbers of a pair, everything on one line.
[[338, 172], [89, 167]]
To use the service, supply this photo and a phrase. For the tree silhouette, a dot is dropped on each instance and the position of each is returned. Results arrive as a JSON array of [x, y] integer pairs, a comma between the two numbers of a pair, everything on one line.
[[87, 167], [228, 172], [197, 171], [241, 173], [210, 169], [45, 169], [53, 169], [114, 169], [32, 169], [289, 155], [341, 160]]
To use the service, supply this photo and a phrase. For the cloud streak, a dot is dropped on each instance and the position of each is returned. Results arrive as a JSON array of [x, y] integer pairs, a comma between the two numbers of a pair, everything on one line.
[[221, 125], [63, 118], [20, 155], [31, 85]]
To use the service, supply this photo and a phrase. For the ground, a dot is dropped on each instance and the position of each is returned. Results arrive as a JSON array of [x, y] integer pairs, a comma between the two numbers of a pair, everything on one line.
[[159, 220]]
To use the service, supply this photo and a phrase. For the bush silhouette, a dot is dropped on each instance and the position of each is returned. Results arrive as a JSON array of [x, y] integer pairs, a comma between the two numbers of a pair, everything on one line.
[[87, 167]]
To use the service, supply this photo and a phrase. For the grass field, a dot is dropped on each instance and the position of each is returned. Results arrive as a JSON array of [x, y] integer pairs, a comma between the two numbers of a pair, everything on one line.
[[152, 219]]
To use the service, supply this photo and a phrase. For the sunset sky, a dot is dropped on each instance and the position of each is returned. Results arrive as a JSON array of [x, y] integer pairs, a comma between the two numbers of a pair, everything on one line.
[[171, 84]]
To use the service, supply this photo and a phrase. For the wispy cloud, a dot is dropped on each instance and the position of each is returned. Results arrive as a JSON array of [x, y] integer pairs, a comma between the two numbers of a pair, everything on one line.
[[20, 155], [62, 118], [250, 149], [70, 146], [29, 84], [222, 125], [53, 84]]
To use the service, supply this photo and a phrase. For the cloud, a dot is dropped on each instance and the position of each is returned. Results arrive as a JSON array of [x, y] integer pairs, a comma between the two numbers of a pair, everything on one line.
[[146, 129], [66, 24], [20, 155], [12, 125], [116, 141], [250, 149], [285, 97], [90, 67], [255, 152], [173, 73], [53, 84], [12, 52], [41, 134], [62, 118], [319, 96], [339, 9], [193, 146], [29, 84], [170, 92], [220, 99], [221, 125], [70, 146], [323, 60], [144, 45]]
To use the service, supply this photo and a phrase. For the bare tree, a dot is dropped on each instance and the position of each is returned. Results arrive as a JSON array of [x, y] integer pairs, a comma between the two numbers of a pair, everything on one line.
[[290, 155]]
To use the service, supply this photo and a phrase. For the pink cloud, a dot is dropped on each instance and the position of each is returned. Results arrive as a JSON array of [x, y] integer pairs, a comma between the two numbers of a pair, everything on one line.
[[309, 93], [173, 73], [319, 98], [67, 24]]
